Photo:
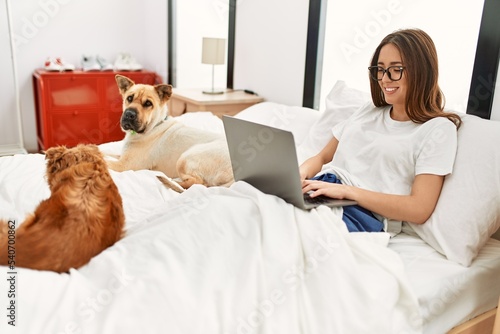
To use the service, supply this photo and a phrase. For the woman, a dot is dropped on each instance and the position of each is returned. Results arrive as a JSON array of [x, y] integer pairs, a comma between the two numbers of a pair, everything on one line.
[[403, 145]]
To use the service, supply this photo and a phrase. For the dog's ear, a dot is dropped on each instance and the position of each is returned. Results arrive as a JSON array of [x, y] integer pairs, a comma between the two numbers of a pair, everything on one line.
[[164, 92], [54, 157], [54, 153], [124, 83]]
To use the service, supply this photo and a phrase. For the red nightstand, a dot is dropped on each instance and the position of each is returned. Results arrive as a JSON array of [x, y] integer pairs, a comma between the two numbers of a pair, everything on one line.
[[80, 107]]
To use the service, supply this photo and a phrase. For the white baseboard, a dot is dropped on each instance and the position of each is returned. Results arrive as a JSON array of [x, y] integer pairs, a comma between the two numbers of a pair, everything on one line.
[[12, 149]]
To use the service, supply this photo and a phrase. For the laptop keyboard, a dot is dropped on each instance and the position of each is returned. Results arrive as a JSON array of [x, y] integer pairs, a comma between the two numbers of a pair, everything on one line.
[[316, 200]]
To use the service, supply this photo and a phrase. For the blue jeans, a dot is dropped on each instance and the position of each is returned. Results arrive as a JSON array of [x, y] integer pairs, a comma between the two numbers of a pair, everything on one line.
[[356, 218]]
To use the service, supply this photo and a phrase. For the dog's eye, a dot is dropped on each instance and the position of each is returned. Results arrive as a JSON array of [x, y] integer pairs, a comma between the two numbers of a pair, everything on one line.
[[148, 103], [130, 98]]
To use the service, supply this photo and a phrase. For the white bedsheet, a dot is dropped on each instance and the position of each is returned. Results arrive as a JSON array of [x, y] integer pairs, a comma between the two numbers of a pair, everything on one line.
[[210, 260], [448, 293]]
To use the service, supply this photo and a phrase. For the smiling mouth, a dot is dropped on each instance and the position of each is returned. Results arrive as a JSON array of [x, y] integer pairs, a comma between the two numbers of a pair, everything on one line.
[[390, 89]]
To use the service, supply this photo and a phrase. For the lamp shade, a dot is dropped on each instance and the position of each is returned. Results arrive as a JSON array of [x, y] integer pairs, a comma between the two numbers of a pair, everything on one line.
[[213, 51]]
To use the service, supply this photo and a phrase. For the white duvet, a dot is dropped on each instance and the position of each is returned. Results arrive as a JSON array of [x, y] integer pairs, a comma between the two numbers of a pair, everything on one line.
[[210, 260]]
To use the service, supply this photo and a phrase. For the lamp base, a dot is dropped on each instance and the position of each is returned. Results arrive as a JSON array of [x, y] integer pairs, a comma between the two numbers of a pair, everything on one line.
[[212, 92]]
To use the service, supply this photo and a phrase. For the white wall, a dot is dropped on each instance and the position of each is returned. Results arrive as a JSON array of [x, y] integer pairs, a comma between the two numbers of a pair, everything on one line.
[[270, 48], [70, 28]]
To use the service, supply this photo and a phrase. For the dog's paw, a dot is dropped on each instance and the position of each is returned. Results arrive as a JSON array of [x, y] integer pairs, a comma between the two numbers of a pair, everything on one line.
[[111, 157], [171, 184], [113, 165]]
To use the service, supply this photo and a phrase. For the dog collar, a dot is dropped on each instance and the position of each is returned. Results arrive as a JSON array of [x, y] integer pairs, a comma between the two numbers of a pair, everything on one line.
[[160, 122], [163, 120]]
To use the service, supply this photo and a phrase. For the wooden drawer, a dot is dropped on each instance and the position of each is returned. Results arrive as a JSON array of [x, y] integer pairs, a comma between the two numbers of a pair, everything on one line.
[[73, 128], [72, 92]]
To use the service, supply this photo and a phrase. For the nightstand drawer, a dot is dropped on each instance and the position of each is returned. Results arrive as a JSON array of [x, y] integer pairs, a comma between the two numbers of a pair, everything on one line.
[[73, 128]]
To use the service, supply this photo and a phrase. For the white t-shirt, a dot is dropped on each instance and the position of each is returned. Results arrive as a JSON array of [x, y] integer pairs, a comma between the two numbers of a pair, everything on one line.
[[386, 155]]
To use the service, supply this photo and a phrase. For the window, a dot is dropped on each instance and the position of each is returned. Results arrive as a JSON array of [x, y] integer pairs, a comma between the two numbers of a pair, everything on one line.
[[193, 20], [354, 29]]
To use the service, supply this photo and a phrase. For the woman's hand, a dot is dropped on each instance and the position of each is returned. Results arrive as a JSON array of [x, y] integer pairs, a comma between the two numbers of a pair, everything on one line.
[[415, 207], [317, 188], [310, 167], [313, 165], [303, 173]]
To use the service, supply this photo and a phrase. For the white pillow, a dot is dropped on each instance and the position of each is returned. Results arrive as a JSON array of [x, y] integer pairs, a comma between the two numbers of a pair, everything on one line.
[[341, 102], [468, 210], [297, 120]]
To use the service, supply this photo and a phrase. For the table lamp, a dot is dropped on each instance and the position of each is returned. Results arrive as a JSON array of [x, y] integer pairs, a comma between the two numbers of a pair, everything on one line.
[[213, 53]]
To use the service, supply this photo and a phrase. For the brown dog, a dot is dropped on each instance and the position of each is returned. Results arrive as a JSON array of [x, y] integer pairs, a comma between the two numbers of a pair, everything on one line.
[[155, 142], [82, 217]]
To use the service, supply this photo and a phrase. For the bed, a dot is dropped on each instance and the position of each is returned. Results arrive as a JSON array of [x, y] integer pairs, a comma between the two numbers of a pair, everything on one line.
[[236, 260]]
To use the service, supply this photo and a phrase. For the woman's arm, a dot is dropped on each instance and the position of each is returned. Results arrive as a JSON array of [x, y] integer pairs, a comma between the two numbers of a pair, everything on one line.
[[313, 165], [416, 207]]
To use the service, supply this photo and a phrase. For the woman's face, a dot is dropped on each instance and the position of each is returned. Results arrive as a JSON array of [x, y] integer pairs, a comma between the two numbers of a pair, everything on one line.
[[394, 91]]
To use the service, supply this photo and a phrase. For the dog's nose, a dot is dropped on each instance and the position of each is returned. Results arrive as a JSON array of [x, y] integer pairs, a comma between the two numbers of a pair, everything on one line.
[[130, 115]]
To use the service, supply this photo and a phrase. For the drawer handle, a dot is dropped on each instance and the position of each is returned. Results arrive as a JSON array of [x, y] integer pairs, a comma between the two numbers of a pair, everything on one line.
[[75, 112]]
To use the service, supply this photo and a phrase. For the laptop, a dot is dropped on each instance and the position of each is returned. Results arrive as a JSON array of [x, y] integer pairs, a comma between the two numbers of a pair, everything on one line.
[[266, 158]]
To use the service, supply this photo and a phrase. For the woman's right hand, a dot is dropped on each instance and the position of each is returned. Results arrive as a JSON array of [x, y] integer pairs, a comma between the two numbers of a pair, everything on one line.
[[310, 167], [303, 173], [313, 165]]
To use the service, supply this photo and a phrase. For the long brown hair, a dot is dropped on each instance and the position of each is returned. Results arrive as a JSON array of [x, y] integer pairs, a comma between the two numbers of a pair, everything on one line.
[[424, 99]]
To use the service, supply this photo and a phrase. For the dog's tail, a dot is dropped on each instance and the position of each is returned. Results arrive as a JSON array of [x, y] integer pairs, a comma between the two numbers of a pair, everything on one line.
[[171, 184]]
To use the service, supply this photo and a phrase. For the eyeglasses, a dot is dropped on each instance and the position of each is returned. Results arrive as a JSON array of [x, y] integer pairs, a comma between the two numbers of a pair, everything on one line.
[[393, 72]]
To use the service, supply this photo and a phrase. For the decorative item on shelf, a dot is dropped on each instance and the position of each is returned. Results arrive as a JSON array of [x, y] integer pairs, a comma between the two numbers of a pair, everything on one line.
[[125, 62], [97, 63], [213, 53], [89, 63], [104, 63], [58, 64]]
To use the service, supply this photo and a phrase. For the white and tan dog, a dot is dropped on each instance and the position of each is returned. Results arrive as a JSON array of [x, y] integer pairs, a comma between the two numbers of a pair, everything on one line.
[[153, 141]]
